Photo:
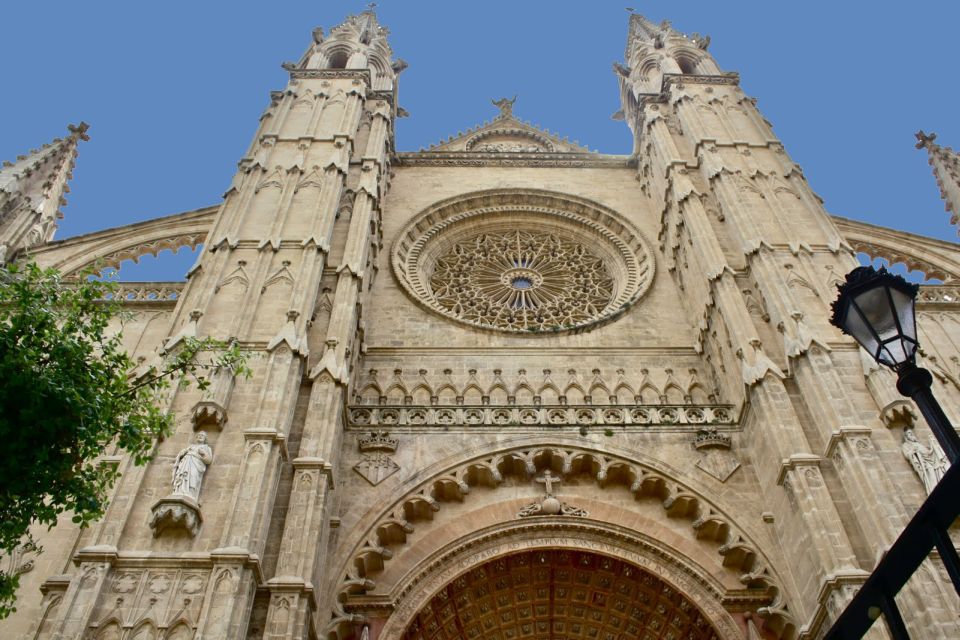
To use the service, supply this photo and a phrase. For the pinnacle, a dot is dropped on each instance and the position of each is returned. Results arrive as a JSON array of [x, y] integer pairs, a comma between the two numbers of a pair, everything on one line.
[[945, 162]]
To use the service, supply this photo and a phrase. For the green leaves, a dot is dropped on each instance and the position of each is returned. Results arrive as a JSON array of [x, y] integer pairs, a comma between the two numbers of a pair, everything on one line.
[[69, 394]]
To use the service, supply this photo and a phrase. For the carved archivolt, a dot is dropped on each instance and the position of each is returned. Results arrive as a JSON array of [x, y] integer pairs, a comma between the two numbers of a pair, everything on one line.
[[517, 140], [707, 521], [523, 261], [570, 580]]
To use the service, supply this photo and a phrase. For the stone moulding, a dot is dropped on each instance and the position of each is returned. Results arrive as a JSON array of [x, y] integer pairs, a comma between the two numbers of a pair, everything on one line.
[[683, 417], [600, 231], [510, 159]]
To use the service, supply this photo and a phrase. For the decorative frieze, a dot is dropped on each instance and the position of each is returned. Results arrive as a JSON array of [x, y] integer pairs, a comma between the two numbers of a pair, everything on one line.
[[646, 416]]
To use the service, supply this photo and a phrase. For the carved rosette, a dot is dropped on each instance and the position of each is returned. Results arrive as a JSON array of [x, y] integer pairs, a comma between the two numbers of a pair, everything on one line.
[[523, 261]]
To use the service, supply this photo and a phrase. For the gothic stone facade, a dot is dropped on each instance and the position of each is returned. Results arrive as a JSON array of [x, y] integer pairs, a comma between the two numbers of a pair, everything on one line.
[[506, 387]]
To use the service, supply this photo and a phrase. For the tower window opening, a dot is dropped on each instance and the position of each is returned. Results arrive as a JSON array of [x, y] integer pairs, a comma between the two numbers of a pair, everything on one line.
[[687, 65], [338, 60]]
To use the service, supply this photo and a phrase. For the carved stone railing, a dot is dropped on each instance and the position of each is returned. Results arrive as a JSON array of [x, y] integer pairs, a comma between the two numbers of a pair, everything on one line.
[[148, 291], [548, 416], [938, 294]]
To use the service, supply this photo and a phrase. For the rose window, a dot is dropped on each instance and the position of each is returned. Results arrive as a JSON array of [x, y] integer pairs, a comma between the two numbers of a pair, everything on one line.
[[522, 280], [523, 261]]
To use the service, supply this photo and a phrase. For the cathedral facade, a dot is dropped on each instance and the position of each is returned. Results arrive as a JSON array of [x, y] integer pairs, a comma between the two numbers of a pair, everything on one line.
[[505, 387]]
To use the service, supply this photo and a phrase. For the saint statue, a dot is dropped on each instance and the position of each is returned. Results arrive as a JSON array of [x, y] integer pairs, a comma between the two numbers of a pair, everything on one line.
[[190, 465], [928, 461]]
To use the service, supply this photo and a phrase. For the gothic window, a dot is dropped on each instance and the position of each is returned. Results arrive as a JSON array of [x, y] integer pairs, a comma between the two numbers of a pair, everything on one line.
[[517, 265]]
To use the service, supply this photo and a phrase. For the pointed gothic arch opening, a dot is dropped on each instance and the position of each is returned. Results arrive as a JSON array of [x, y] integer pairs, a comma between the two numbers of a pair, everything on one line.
[[547, 593], [556, 577], [637, 506]]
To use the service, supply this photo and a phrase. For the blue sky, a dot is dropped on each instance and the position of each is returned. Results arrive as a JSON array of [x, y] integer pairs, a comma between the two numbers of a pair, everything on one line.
[[173, 90]]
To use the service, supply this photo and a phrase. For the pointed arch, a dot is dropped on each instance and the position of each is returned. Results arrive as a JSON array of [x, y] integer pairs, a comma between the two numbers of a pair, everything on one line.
[[422, 393], [145, 630], [179, 630], [380, 560], [111, 629]]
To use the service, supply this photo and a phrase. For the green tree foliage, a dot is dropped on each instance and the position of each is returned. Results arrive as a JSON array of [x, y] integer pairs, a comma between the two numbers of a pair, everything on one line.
[[69, 393]]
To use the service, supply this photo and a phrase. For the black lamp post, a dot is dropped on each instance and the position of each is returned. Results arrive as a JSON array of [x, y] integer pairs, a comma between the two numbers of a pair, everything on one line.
[[876, 308]]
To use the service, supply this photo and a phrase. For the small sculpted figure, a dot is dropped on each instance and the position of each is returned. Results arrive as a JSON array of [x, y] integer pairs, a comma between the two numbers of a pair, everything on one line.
[[928, 461], [190, 465]]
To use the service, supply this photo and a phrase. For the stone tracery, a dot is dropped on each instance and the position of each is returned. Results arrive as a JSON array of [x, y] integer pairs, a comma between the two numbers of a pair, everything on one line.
[[570, 264], [522, 280]]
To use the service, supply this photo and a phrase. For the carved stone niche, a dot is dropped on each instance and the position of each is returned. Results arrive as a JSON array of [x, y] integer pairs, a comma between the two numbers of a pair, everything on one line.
[[209, 414], [176, 512], [716, 460]]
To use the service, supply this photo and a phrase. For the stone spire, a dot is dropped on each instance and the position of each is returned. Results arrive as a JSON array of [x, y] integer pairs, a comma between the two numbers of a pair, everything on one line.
[[32, 191], [946, 169]]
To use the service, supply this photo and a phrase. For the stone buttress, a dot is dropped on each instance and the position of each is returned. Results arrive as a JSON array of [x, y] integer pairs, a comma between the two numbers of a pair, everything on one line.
[[749, 242], [284, 270]]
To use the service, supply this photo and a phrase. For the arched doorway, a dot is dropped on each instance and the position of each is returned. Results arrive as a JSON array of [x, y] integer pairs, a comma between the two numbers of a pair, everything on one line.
[[558, 594]]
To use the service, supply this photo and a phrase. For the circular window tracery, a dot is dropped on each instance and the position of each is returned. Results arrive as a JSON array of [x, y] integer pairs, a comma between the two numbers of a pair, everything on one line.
[[522, 280], [523, 261]]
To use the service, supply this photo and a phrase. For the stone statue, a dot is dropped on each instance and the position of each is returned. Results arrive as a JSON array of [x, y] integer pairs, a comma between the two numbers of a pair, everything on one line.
[[505, 105], [190, 465], [929, 462]]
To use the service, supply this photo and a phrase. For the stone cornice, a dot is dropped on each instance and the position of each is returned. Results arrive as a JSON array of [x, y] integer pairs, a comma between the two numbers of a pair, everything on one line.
[[730, 77], [330, 74], [660, 418], [510, 159]]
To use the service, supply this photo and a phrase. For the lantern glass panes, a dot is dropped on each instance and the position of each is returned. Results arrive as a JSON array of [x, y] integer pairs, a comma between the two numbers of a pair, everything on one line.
[[877, 309]]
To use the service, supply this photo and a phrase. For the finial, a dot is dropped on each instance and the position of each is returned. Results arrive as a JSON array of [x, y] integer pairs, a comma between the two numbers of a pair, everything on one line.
[[630, 9], [505, 105], [371, 7], [923, 139]]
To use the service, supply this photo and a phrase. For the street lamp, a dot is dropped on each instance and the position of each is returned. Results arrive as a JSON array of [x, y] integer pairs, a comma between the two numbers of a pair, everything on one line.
[[876, 308]]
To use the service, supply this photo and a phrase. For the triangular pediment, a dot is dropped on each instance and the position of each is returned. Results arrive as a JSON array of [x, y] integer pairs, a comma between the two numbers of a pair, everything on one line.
[[507, 134]]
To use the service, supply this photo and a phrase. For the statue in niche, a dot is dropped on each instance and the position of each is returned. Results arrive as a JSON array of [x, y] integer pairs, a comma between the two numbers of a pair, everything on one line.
[[190, 465], [929, 462]]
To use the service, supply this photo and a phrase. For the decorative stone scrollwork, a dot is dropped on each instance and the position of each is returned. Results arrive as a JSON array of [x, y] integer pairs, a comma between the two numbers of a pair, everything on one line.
[[571, 263], [21, 559]]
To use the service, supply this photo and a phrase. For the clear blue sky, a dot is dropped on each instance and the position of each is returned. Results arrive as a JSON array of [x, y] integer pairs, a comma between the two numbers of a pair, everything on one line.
[[172, 90]]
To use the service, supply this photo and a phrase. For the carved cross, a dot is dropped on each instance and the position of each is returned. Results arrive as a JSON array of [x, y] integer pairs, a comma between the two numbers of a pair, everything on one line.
[[371, 6], [548, 480], [924, 139]]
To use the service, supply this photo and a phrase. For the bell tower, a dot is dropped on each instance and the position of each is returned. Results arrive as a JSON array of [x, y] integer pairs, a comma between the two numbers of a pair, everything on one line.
[[285, 272], [758, 257]]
